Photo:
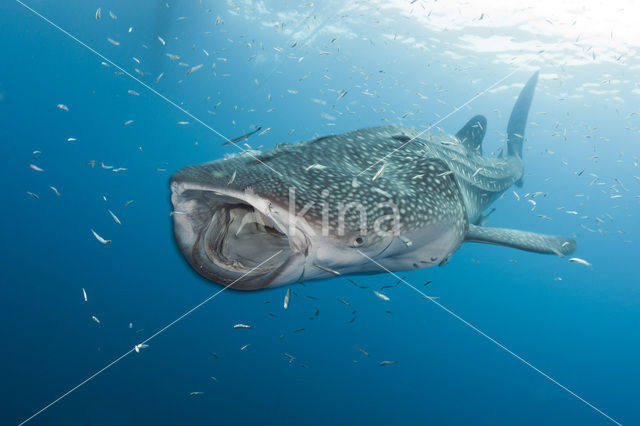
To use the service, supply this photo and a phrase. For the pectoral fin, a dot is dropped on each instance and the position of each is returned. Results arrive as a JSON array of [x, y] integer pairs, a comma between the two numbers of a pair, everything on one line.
[[539, 243]]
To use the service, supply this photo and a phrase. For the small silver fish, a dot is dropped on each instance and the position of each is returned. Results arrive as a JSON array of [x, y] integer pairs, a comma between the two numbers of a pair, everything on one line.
[[329, 270], [315, 167], [233, 177], [381, 296], [580, 261], [241, 326], [378, 173], [195, 68], [362, 350], [140, 346], [287, 297], [115, 218], [99, 238]]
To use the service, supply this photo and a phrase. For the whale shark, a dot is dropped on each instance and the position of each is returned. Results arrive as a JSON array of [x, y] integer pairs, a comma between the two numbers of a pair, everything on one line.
[[404, 198]]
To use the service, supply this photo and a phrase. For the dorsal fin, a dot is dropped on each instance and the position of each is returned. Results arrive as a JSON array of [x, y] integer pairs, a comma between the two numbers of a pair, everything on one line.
[[518, 119], [472, 133]]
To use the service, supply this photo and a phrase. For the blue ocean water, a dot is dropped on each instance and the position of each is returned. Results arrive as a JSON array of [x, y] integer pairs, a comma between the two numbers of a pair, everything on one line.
[[283, 65]]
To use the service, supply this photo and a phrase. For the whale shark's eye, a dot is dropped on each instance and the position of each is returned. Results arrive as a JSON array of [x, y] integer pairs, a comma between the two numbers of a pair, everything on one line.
[[358, 241]]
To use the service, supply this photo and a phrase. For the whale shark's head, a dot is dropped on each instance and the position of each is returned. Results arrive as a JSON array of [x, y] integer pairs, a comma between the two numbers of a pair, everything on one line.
[[250, 241]]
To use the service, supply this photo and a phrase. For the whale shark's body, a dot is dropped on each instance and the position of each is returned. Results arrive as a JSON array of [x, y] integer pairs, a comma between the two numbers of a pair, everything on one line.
[[328, 207]]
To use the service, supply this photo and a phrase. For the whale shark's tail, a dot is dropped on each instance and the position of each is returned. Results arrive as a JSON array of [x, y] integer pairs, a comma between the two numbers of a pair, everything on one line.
[[539, 243], [518, 119]]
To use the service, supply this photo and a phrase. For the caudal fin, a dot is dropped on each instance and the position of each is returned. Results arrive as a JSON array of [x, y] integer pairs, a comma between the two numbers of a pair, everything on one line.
[[518, 119]]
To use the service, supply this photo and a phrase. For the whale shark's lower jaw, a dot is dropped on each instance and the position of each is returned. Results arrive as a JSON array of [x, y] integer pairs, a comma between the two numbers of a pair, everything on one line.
[[234, 238]]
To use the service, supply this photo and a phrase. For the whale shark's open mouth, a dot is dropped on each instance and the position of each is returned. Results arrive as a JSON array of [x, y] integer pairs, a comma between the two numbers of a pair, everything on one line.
[[238, 236], [229, 235]]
